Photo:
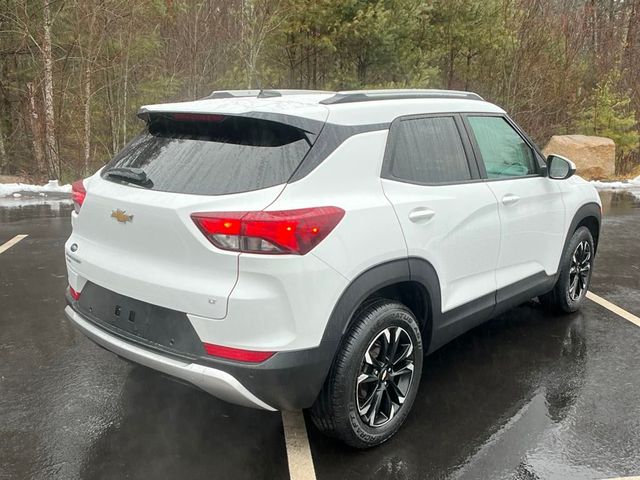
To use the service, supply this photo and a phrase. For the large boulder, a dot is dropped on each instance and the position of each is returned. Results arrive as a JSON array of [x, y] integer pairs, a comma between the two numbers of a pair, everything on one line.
[[595, 157]]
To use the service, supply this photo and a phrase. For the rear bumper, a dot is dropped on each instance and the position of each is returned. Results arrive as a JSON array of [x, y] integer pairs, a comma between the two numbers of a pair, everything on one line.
[[216, 382], [289, 380]]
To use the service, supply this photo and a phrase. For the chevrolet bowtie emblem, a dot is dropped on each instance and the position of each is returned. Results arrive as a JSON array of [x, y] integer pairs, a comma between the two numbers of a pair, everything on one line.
[[121, 216]]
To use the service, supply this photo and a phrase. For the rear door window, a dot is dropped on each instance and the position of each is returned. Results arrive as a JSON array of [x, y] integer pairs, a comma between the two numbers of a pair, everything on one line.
[[429, 151], [212, 154]]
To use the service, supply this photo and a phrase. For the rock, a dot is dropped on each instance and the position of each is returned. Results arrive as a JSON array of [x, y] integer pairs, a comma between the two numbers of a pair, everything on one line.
[[595, 157]]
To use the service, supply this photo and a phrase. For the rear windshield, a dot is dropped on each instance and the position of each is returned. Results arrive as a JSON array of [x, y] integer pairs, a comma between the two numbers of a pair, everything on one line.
[[212, 154]]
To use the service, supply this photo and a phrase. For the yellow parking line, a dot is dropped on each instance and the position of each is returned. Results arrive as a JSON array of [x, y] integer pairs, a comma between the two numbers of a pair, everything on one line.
[[298, 450], [7, 245], [618, 311]]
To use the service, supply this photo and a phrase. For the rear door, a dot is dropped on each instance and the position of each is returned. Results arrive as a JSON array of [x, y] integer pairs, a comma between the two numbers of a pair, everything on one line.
[[449, 217], [136, 236], [530, 204]]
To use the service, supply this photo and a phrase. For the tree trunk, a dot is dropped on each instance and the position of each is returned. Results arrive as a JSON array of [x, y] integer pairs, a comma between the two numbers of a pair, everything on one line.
[[125, 95], [36, 130], [450, 67], [632, 42], [3, 152], [51, 153], [87, 114], [631, 59]]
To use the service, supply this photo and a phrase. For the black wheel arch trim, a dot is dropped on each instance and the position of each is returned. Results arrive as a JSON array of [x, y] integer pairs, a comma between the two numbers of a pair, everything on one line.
[[407, 269], [591, 209]]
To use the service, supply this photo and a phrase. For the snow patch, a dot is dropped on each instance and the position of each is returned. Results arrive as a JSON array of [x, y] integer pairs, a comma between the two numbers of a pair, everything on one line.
[[53, 186], [633, 184], [54, 203], [18, 195]]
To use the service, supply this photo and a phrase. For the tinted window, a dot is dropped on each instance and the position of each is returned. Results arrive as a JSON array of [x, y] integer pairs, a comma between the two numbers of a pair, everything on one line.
[[213, 154], [429, 150], [504, 153]]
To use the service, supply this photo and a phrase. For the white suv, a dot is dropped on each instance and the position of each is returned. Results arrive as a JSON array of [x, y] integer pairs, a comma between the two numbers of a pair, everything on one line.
[[299, 249]]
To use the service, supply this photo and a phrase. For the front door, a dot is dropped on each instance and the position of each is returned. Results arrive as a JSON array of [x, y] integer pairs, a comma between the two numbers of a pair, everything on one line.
[[530, 204]]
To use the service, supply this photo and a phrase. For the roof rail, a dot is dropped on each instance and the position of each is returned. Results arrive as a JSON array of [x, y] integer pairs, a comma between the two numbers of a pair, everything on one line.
[[264, 93], [233, 93], [391, 94]]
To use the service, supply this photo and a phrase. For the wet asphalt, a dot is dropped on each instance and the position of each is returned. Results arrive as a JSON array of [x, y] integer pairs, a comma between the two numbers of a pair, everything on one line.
[[528, 395]]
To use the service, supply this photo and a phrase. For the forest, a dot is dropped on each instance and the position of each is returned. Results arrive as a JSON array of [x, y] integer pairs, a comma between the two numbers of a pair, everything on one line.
[[73, 73]]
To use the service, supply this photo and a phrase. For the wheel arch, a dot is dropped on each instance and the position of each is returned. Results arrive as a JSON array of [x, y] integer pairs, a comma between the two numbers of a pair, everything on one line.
[[412, 281], [588, 215]]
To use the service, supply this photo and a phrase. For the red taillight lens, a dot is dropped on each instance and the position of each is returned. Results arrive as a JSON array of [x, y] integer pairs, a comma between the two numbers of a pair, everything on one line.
[[74, 294], [278, 232], [237, 354], [78, 193]]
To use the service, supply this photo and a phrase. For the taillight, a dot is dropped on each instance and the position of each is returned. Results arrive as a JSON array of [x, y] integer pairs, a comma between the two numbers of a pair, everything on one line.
[[198, 117], [74, 294], [78, 193], [277, 232], [237, 354]]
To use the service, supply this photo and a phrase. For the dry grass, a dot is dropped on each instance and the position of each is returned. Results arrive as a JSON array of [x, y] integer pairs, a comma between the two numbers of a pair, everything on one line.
[[12, 179]]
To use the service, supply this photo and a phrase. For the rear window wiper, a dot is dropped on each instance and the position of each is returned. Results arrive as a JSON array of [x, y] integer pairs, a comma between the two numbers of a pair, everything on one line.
[[131, 175]]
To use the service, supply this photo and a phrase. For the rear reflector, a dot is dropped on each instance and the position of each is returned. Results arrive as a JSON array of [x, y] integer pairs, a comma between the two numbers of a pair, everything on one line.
[[78, 194], [250, 356], [74, 294], [276, 232]]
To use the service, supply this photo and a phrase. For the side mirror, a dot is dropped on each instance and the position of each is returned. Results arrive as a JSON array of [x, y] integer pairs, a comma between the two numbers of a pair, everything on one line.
[[560, 168]]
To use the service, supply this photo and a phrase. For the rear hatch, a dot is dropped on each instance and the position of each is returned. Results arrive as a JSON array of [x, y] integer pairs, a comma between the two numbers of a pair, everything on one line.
[[134, 234]]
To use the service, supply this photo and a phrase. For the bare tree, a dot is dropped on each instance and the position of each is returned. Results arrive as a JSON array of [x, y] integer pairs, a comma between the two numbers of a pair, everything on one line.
[[89, 50], [51, 150], [36, 129], [3, 151], [257, 20]]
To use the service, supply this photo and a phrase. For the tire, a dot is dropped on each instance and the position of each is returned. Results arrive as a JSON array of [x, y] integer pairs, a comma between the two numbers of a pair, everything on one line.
[[571, 287], [345, 408]]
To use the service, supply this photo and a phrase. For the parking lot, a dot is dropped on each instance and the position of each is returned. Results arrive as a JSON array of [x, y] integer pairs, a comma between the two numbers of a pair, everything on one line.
[[528, 395]]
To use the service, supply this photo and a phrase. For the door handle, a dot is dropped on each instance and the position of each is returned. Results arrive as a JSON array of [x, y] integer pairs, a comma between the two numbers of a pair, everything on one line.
[[510, 199], [421, 215]]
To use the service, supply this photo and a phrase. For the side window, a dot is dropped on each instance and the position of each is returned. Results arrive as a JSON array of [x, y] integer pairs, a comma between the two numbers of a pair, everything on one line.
[[504, 153], [429, 150]]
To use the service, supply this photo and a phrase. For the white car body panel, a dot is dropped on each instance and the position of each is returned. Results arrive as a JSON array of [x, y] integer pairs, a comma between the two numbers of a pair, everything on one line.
[[160, 257], [532, 228], [349, 178], [576, 192], [461, 240], [279, 303]]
